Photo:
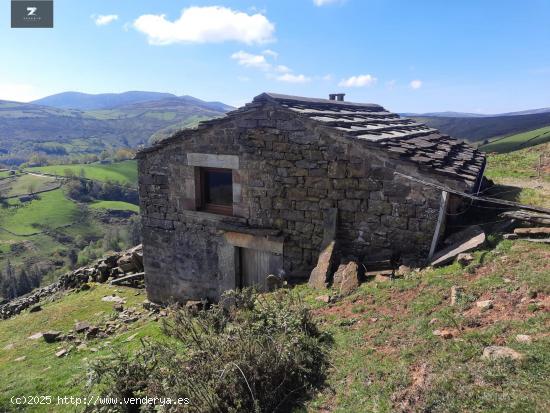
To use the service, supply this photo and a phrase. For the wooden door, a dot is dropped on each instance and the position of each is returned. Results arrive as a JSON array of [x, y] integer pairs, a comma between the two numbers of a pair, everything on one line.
[[255, 267]]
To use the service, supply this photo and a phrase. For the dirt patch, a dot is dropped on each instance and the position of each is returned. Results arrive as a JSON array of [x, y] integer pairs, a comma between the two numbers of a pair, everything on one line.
[[412, 397]]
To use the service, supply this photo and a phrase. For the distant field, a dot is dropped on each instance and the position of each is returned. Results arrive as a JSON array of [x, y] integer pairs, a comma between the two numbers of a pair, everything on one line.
[[26, 184], [51, 210], [518, 141], [121, 172], [115, 206]]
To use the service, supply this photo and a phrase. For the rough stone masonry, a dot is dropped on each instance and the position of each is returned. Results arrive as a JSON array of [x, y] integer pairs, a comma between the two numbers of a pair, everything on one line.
[[303, 172]]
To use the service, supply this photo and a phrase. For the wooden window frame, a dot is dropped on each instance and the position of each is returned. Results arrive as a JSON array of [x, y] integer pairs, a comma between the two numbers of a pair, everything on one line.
[[208, 207]]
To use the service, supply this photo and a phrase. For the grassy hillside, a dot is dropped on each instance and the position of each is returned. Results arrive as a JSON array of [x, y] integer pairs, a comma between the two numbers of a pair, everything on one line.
[[26, 128], [475, 129], [51, 210], [518, 141], [517, 174], [25, 184], [120, 172], [41, 372], [115, 206], [385, 356], [50, 230]]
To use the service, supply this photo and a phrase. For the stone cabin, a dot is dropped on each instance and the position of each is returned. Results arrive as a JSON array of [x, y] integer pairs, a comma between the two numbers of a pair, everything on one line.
[[261, 191]]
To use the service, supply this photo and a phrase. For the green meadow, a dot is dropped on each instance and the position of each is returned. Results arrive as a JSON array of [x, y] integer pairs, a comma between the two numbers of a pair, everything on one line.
[[518, 141], [124, 172]]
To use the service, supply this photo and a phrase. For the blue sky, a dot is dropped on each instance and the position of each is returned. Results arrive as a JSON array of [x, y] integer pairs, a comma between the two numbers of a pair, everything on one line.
[[409, 55]]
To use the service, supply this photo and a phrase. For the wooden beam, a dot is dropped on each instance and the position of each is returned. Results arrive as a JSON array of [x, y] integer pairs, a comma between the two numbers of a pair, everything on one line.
[[440, 226]]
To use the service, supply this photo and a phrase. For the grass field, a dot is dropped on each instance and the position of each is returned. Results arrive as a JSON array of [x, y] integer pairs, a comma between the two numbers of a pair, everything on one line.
[[41, 372], [115, 206], [26, 184], [517, 173], [518, 141], [50, 210], [121, 172]]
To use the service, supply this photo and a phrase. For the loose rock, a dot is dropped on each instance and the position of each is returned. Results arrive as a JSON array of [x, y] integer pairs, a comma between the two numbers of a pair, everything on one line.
[[346, 279], [524, 338], [484, 304], [464, 259], [51, 336], [81, 326], [446, 334], [500, 352]]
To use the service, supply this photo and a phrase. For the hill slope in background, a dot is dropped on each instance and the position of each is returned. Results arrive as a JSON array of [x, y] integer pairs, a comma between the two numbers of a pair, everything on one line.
[[26, 128], [518, 141], [475, 129], [86, 101]]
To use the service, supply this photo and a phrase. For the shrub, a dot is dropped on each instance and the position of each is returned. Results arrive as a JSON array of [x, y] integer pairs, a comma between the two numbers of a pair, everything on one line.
[[259, 354]]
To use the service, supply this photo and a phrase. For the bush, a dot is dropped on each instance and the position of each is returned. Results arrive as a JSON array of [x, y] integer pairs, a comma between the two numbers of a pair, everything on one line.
[[259, 354]]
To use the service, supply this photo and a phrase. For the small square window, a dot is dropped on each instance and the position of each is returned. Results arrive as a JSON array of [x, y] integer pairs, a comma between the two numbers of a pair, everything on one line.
[[216, 190]]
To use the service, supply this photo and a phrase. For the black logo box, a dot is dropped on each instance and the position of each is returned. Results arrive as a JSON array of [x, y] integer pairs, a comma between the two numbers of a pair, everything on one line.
[[31, 13]]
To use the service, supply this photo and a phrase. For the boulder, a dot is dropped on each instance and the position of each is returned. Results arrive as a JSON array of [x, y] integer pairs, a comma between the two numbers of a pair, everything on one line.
[[81, 326], [51, 336], [510, 236], [320, 275], [346, 278], [35, 336], [500, 352]]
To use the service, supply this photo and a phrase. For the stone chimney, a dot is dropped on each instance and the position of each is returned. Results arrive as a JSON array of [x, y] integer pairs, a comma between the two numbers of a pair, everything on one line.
[[337, 96]]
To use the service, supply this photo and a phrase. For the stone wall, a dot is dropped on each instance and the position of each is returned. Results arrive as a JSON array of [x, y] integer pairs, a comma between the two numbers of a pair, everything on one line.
[[288, 173]]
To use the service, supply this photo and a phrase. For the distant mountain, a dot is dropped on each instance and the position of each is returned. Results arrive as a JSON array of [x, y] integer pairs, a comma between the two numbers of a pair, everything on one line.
[[85, 101], [26, 127]]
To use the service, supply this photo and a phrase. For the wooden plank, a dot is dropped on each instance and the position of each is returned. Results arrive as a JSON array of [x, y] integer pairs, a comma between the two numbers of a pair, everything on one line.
[[533, 218], [440, 226], [139, 275], [532, 231]]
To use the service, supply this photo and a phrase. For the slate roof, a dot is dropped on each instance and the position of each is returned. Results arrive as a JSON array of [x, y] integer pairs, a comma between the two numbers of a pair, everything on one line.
[[403, 137]]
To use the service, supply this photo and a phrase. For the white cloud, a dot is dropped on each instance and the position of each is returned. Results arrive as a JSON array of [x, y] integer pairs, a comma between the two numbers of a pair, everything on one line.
[[320, 3], [104, 19], [358, 81], [281, 73], [282, 69], [18, 92], [212, 24], [271, 53], [415, 84], [251, 60], [292, 78]]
